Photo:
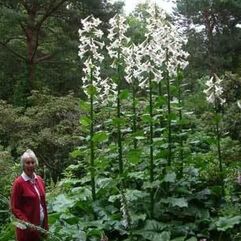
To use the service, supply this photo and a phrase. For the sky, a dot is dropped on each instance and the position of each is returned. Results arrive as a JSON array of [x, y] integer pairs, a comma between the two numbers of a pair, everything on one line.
[[130, 4]]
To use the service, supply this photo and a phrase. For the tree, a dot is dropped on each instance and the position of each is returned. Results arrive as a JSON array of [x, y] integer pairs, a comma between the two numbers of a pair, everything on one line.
[[50, 127], [31, 19], [40, 45], [214, 34]]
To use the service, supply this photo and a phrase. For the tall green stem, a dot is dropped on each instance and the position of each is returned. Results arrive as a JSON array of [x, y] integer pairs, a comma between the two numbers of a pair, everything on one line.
[[219, 151], [169, 120], [92, 154], [134, 129], [119, 117], [180, 103], [160, 94], [151, 146]]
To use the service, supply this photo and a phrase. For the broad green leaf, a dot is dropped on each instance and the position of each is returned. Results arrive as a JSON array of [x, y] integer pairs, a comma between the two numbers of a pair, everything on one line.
[[153, 236], [161, 100], [170, 177], [105, 182], [192, 239], [151, 185], [138, 217], [84, 105], [93, 223], [83, 193], [154, 225], [179, 239], [134, 156], [146, 118], [62, 202], [81, 236], [138, 133], [113, 198], [178, 202], [157, 139], [100, 136], [164, 146], [124, 94], [69, 218], [53, 217], [164, 236], [118, 121], [134, 195], [85, 121], [225, 223], [154, 230], [136, 175], [97, 232], [69, 182], [192, 171], [75, 153], [172, 116], [203, 213]]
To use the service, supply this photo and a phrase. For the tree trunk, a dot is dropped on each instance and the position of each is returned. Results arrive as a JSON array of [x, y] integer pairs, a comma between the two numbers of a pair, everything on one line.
[[32, 45]]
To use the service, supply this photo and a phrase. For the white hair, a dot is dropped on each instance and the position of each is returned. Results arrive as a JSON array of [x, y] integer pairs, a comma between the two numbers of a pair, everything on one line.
[[28, 154]]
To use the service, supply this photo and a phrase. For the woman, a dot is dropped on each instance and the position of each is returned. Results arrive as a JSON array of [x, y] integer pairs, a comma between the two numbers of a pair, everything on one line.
[[28, 199]]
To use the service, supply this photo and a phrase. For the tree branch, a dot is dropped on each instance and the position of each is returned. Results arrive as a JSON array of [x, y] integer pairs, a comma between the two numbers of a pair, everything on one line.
[[13, 38], [41, 59], [25, 5], [39, 24], [49, 12], [24, 29], [13, 52]]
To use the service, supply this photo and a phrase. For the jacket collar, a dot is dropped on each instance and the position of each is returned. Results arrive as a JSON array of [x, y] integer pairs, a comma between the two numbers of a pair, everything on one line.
[[27, 178]]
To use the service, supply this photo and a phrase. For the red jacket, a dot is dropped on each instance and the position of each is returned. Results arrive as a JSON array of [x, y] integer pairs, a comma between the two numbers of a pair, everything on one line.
[[25, 206]]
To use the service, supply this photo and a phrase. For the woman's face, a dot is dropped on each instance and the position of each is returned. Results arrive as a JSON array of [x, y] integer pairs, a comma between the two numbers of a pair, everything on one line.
[[29, 166]]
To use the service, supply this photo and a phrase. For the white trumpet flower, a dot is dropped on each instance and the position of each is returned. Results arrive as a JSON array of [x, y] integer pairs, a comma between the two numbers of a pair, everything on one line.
[[117, 37], [239, 103], [153, 53], [133, 61], [90, 37], [214, 91], [162, 49], [117, 48]]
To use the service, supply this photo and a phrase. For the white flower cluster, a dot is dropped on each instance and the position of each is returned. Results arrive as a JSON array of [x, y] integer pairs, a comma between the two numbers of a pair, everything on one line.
[[117, 38], [162, 47], [133, 58], [90, 38], [173, 42], [214, 91], [108, 90], [124, 210], [153, 54], [161, 51]]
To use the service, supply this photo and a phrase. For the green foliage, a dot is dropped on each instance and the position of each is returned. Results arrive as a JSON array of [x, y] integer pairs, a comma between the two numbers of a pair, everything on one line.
[[49, 127], [7, 233], [215, 40], [39, 42], [225, 223], [154, 230], [188, 203], [9, 170]]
